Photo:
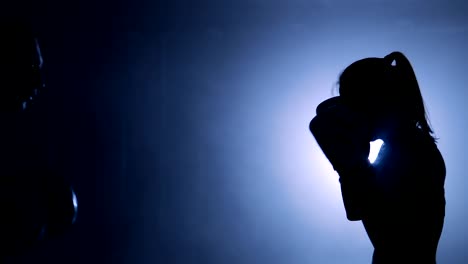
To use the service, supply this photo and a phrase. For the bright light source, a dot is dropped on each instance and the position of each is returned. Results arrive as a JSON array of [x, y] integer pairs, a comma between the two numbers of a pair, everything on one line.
[[374, 149]]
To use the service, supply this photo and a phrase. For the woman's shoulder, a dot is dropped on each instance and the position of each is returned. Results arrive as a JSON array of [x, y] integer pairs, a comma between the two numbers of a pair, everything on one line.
[[424, 141], [426, 151], [417, 148]]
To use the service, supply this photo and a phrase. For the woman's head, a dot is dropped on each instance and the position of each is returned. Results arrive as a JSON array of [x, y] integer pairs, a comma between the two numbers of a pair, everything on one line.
[[384, 88]]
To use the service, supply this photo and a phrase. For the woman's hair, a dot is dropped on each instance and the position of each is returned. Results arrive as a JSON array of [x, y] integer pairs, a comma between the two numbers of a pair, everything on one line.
[[378, 87]]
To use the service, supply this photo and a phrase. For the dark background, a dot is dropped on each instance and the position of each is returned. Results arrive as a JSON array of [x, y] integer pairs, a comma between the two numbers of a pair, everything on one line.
[[184, 124]]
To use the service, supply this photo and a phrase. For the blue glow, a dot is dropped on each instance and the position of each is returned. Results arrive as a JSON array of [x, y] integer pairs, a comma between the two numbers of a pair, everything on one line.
[[75, 201], [218, 126], [375, 149], [75, 206]]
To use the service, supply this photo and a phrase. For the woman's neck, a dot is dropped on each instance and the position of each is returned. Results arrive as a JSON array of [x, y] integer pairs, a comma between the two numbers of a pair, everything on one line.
[[391, 129]]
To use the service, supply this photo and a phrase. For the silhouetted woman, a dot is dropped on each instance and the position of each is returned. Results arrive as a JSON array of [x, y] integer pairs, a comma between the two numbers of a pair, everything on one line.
[[400, 197]]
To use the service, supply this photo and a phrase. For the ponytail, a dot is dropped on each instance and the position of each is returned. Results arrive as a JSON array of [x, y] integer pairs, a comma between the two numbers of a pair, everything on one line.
[[403, 71]]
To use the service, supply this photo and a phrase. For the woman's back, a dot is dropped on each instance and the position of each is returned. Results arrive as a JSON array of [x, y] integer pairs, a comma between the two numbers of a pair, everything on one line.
[[405, 219]]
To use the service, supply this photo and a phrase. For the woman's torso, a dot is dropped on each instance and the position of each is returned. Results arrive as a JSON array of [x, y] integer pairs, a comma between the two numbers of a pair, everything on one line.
[[408, 211]]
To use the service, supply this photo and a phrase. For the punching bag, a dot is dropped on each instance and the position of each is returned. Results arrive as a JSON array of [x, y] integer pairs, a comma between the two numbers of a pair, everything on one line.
[[37, 202]]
